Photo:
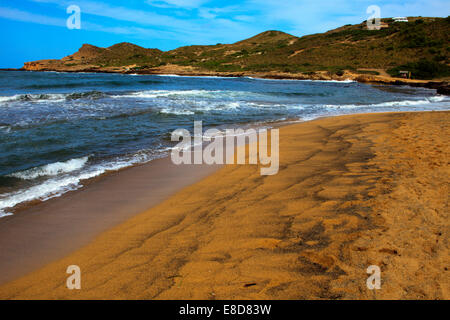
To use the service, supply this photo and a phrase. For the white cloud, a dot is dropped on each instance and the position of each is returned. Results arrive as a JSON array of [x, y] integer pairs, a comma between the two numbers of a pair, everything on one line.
[[189, 30], [212, 13], [189, 4], [244, 18], [24, 16], [124, 14], [207, 13]]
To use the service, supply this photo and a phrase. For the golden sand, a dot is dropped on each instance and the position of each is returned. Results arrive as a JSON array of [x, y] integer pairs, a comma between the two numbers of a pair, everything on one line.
[[352, 191]]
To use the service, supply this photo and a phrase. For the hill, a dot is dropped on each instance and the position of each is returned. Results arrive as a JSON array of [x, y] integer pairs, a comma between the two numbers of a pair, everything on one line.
[[420, 46]]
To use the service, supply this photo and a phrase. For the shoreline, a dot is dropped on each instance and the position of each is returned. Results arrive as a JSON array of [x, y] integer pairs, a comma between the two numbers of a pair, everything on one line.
[[29, 204], [54, 228], [345, 202], [441, 86], [24, 215]]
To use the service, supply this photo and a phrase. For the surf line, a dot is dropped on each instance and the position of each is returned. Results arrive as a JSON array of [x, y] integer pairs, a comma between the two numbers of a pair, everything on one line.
[[225, 145]]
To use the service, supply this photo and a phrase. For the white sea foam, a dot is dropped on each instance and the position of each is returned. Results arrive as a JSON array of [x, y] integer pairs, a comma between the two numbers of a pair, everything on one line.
[[309, 80], [191, 96], [5, 99], [176, 111], [193, 101], [5, 129], [166, 93], [438, 98], [167, 75], [4, 214], [49, 189], [67, 181], [332, 81], [200, 77], [49, 97], [402, 103], [51, 169], [54, 97], [233, 105]]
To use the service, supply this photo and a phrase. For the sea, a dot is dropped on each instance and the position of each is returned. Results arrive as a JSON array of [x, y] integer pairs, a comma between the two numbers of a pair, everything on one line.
[[58, 130]]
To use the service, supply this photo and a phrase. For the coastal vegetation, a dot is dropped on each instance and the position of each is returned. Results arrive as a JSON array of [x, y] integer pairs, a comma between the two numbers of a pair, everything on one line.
[[420, 46]]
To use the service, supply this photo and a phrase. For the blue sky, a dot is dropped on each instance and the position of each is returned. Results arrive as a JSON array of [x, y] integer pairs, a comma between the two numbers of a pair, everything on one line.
[[36, 29]]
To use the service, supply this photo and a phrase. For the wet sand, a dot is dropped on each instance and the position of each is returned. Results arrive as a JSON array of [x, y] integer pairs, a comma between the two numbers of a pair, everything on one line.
[[352, 191]]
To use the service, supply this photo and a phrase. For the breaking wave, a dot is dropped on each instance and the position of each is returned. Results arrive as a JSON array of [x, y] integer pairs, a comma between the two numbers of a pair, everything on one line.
[[63, 177], [108, 118], [403, 103], [52, 97], [51, 169]]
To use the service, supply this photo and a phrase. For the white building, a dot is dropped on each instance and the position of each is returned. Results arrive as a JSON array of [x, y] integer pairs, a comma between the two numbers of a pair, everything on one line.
[[400, 19]]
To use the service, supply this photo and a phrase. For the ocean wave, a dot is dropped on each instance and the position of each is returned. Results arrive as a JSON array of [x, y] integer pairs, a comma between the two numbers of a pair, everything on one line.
[[332, 81], [52, 97], [56, 185], [411, 102], [52, 169], [191, 102], [85, 95], [32, 97], [90, 84], [167, 75], [51, 188], [402, 103], [6, 99], [213, 94], [200, 77], [168, 93], [177, 112], [305, 80], [197, 107], [4, 214], [199, 94], [438, 98], [191, 96], [300, 94], [5, 129]]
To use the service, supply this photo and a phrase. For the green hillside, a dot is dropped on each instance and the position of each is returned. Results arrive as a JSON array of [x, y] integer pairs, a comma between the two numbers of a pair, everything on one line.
[[350, 47], [420, 46]]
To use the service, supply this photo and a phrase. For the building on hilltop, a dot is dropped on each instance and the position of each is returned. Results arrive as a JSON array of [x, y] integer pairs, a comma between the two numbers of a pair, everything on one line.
[[400, 19], [405, 74]]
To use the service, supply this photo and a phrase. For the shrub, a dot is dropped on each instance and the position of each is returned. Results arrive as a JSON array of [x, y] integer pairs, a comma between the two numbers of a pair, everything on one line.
[[423, 69], [439, 57], [375, 73]]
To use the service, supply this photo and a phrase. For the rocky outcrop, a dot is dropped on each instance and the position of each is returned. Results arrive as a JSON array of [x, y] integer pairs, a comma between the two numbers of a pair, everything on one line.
[[441, 87], [42, 65]]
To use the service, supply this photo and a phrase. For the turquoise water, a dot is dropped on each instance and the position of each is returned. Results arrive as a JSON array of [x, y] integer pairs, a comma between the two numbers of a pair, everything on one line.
[[58, 129]]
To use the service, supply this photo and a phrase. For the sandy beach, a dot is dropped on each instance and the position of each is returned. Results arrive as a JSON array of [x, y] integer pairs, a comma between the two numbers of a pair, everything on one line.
[[352, 191], [52, 229]]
